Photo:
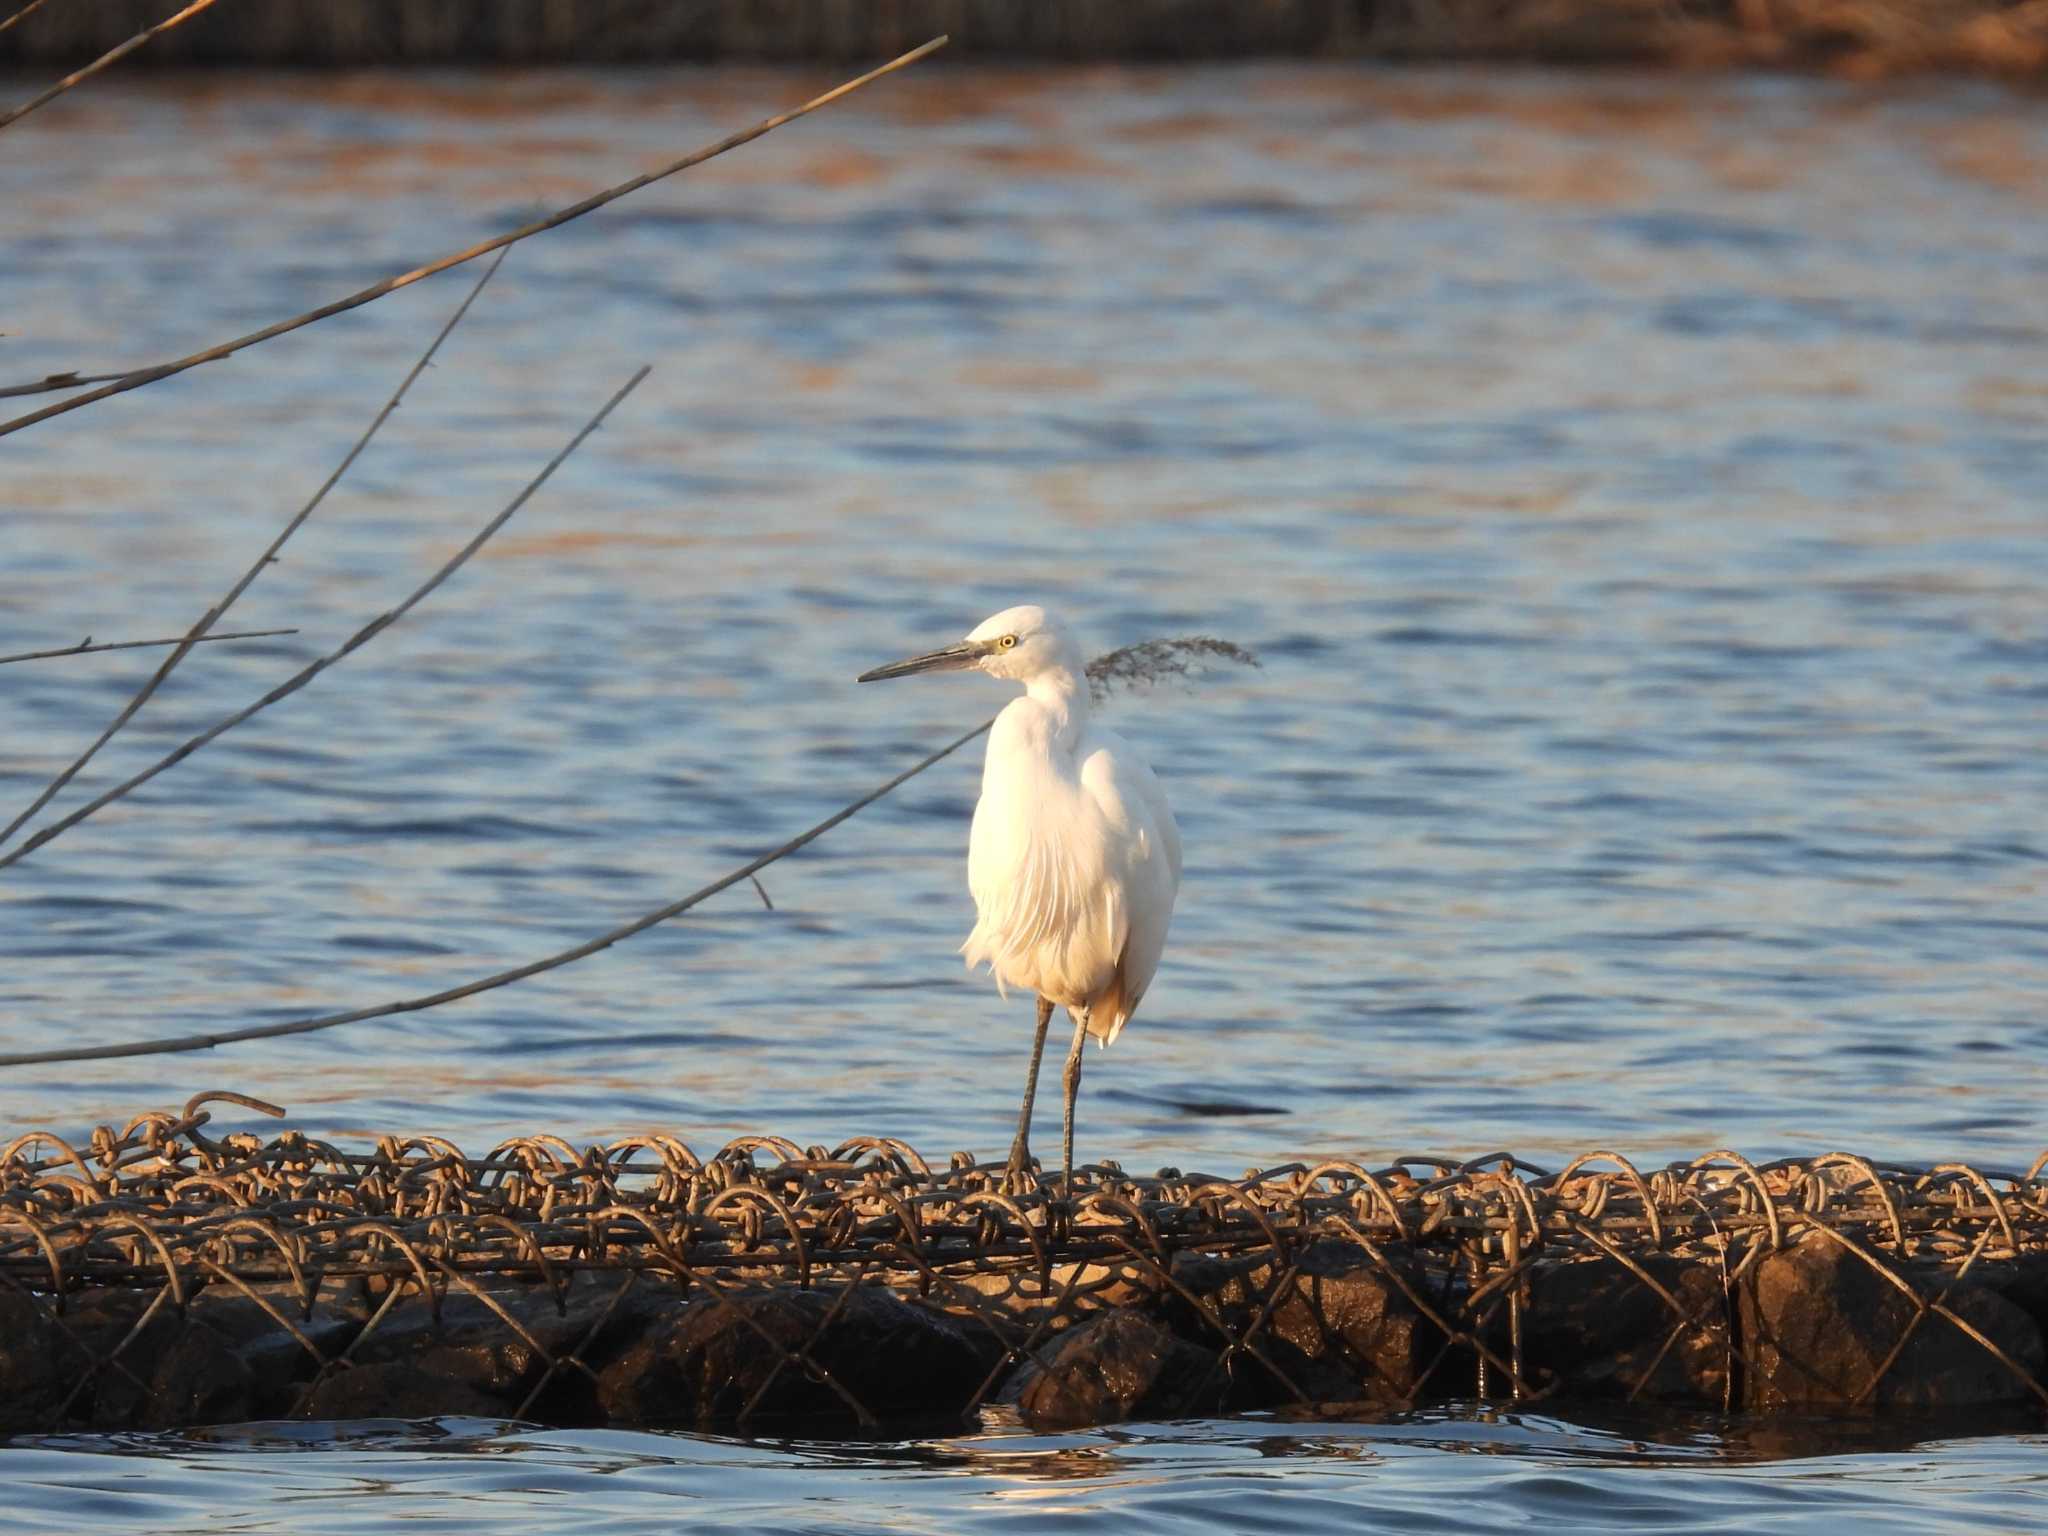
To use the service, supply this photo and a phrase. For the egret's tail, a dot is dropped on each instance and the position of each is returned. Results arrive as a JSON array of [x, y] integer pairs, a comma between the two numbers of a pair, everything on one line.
[[1107, 1012]]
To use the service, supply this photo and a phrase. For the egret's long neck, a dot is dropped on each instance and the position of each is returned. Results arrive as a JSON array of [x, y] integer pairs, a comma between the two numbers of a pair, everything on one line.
[[1062, 692]]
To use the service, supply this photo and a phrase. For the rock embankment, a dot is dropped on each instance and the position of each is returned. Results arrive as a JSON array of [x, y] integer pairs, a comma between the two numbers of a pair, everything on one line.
[[160, 1278], [1814, 1326]]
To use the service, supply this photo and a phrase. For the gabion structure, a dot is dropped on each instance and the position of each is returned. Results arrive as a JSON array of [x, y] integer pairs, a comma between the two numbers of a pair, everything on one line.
[[160, 1276]]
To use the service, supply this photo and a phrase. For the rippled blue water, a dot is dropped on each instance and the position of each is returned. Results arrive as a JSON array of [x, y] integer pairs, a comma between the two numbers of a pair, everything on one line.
[[1451, 1471], [1634, 488]]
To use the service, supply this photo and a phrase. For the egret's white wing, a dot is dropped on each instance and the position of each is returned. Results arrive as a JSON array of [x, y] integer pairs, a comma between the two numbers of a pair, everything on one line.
[[1143, 873], [1045, 869]]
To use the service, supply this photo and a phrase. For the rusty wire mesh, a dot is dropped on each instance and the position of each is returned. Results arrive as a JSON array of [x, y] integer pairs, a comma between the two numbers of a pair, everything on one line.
[[1481, 1258]]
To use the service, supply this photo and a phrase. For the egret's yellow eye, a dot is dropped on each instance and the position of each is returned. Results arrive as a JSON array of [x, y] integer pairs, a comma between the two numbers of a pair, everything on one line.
[[1007, 642]]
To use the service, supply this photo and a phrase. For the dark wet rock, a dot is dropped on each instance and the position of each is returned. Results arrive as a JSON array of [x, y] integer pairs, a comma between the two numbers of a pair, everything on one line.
[[989, 1338], [198, 1379], [225, 1360], [103, 1364], [471, 1359], [111, 1360], [891, 1355], [1345, 1331], [41, 1365], [1818, 1323], [278, 1364], [2023, 1281], [398, 1389], [1119, 1365], [1592, 1328]]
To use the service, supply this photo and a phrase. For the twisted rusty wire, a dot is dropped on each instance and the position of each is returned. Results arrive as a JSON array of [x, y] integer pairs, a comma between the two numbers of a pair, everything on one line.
[[163, 1209], [135, 1205]]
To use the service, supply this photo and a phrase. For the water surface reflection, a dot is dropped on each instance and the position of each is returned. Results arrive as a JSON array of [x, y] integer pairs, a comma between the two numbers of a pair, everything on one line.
[[1456, 1468], [1633, 486]]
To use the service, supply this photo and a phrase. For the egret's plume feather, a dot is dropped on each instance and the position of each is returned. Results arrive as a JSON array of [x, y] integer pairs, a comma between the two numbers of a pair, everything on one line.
[[1150, 660]]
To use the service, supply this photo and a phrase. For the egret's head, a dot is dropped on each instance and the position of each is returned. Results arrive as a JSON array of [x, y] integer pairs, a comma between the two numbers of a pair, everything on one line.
[[1019, 643]]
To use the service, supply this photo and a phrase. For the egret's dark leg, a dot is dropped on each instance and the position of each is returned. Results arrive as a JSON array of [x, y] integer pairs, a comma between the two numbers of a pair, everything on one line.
[[1020, 1149], [1072, 1080]]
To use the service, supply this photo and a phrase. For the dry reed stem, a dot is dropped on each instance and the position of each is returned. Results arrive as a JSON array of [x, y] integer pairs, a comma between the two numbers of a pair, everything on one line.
[[502, 978], [111, 57], [26, 11], [52, 381], [354, 642], [142, 376], [86, 647], [213, 615], [1111, 665]]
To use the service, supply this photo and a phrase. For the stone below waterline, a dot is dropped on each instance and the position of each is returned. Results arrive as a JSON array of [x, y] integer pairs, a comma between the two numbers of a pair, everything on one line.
[[1814, 1323], [1657, 1333], [1822, 1329], [1344, 1331], [111, 1362], [493, 1347], [401, 1389], [1118, 1365], [718, 1356]]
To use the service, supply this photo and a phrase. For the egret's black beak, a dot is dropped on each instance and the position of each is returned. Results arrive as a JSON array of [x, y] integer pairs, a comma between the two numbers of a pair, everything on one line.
[[954, 658]]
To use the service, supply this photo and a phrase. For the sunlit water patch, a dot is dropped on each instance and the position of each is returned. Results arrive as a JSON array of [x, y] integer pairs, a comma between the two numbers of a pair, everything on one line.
[[1633, 488], [1451, 1471]]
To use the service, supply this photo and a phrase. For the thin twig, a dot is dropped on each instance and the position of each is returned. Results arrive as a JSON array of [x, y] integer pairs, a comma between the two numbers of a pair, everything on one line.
[[502, 978], [144, 376], [44, 385], [27, 10], [86, 647], [113, 56], [354, 642], [1113, 664], [263, 561]]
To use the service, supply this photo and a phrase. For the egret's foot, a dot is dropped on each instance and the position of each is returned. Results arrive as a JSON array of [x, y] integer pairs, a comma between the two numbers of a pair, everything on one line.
[[1020, 1174]]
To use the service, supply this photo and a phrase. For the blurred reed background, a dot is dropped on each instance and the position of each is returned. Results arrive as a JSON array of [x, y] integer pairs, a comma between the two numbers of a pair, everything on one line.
[[2008, 37]]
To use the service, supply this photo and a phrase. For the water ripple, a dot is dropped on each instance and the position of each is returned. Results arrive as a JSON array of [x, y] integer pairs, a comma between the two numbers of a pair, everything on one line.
[[1642, 532]]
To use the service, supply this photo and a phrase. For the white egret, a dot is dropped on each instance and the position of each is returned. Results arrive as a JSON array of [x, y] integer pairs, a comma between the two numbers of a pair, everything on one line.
[[1074, 858]]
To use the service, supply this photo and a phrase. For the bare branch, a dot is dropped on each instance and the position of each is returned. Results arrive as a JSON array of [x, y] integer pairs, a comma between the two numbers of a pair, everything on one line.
[[502, 978], [86, 647], [213, 615], [144, 376], [26, 11], [1140, 660], [354, 642], [49, 382], [113, 56]]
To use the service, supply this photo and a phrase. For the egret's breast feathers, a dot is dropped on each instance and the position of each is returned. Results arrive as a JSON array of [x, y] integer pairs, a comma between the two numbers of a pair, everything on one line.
[[1073, 863], [1050, 915], [1045, 919]]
